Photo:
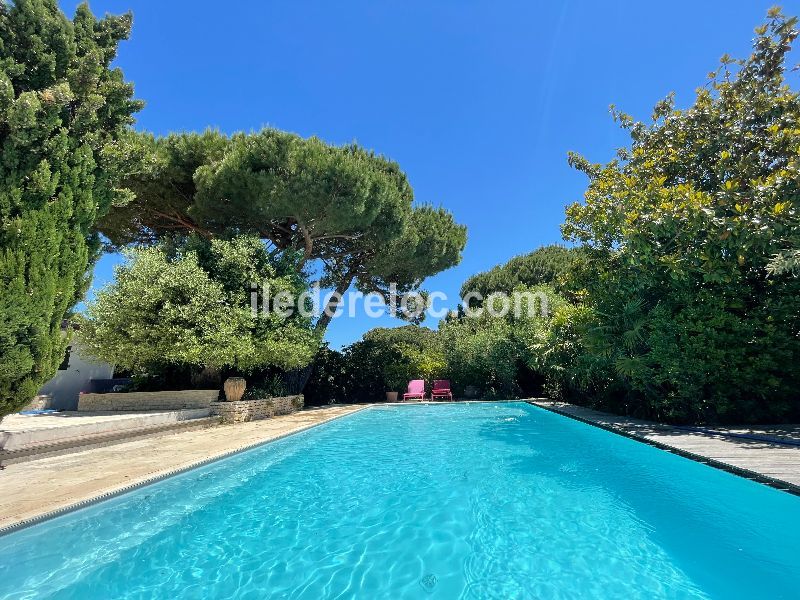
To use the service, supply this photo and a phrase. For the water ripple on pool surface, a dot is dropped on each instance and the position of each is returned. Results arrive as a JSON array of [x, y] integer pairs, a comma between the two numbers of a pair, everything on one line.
[[448, 501]]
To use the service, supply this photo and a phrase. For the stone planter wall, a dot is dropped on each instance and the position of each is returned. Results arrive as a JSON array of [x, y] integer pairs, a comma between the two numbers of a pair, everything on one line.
[[40, 402], [253, 410], [124, 401]]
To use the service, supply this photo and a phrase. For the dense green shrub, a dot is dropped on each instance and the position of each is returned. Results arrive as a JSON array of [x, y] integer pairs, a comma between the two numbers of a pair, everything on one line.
[[689, 238], [63, 117], [503, 355], [571, 371], [331, 380], [385, 359], [268, 386], [482, 353], [390, 357], [189, 305]]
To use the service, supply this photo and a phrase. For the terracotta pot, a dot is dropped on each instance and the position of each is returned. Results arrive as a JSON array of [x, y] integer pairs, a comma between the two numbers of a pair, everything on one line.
[[391, 396], [234, 388]]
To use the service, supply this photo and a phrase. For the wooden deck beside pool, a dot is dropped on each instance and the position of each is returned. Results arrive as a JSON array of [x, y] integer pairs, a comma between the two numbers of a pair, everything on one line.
[[737, 448]]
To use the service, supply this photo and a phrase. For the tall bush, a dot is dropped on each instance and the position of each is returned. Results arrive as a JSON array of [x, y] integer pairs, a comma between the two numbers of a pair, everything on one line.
[[481, 353], [385, 359], [698, 317], [63, 114]]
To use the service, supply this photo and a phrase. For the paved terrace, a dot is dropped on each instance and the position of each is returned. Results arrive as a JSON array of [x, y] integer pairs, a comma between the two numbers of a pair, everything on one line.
[[33, 489], [741, 448]]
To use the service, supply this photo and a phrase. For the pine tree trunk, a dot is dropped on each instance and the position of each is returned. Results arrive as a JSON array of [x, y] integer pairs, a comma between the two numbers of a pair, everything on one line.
[[333, 302], [297, 379]]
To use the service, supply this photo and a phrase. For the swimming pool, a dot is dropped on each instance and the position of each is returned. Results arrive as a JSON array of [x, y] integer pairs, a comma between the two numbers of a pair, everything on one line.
[[500, 500]]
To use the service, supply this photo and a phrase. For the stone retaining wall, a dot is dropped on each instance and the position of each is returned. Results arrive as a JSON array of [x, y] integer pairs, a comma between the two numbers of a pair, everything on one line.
[[123, 401], [41, 402], [253, 410]]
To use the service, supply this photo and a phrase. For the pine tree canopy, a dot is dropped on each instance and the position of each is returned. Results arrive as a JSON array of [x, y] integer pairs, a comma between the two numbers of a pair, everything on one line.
[[343, 205]]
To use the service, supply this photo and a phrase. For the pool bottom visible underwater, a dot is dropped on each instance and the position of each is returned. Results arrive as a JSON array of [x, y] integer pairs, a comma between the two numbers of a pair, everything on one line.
[[500, 500]]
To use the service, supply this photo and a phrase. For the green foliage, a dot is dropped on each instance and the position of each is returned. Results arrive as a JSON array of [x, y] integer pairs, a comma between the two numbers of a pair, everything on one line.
[[429, 242], [385, 359], [394, 356], [160, 174], [501, 355], [699, 318], [332, 379], [558, 350], [189, 306], [547, 265], [63, 117], [343, 205], [269, 387], [481, 353], [411, 362]]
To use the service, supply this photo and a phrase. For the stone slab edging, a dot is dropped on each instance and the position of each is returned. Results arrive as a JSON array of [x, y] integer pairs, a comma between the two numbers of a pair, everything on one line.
[[779, 484], [129, 487], [139, 401], [114, 492], [75, 427], [91, 442]]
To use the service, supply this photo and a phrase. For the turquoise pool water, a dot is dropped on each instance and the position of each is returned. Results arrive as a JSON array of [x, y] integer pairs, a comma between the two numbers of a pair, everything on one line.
[[443, 501]]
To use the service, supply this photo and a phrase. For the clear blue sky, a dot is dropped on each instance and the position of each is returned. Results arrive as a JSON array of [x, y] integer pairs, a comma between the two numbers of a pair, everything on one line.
[[479, 102]]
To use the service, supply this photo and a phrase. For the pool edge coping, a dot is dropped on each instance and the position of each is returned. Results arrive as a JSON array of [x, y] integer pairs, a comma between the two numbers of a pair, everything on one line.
[[114, 492], [773, 482]]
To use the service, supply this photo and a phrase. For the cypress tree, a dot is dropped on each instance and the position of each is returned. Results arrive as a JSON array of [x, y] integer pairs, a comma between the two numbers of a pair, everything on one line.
[[64, 113]]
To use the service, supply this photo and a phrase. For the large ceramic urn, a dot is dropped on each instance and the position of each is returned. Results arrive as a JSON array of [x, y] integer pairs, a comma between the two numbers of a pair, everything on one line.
[[234, 388]]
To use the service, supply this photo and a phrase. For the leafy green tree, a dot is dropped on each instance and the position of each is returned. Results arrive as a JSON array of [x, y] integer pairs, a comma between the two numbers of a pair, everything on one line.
[[547, 265], [189, 306], [63, 116], [682, 234], [482, 353], [385, 359], [505, 353], [412, 362], [557, 350], [344, 206]]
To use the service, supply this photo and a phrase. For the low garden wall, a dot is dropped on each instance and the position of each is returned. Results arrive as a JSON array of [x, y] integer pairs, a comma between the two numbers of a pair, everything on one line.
[[123, 401], [40, 402], [253, 410]]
